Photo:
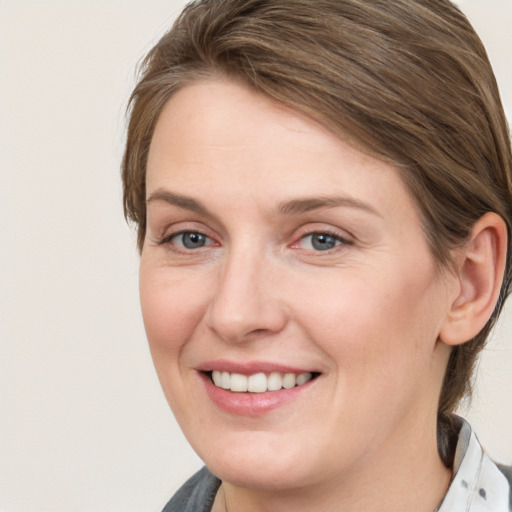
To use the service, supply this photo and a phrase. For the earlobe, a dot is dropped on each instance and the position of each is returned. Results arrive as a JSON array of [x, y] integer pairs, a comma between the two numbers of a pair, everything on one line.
[[480, 268]]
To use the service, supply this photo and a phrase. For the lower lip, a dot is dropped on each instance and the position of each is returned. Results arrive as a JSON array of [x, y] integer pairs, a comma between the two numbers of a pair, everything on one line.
[[251, 404]]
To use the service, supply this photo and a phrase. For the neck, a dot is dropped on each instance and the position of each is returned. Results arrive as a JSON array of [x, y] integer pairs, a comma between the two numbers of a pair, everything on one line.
[[406, 479]]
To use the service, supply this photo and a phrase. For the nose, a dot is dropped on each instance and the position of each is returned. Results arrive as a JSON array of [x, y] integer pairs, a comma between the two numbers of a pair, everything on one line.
[[246, 304]]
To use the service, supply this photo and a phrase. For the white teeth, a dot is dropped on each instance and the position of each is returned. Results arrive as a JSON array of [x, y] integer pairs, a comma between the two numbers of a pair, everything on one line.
[[274, 381], [289, 380], [259, 382], [217, 378], [238, 382], [225, 380], [303, 378]]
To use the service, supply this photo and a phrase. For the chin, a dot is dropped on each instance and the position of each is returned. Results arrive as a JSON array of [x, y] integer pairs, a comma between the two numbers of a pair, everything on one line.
[[268, 475], [259, 460]]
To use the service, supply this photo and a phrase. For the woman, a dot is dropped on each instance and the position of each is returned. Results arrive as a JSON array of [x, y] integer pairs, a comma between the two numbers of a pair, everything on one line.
[[323, 195]]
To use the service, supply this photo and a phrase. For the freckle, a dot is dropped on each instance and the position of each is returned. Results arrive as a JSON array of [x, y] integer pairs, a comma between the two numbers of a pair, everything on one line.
[[482, 493], [464, 484]]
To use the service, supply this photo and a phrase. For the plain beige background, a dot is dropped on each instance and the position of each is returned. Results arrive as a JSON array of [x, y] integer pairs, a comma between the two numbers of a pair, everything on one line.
[[83, 423]]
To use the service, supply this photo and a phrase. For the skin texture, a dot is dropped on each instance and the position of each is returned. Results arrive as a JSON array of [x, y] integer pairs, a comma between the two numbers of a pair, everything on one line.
[[366, 314]]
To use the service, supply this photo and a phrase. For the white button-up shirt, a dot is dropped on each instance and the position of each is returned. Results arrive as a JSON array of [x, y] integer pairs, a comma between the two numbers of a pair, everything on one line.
[[477, 485]]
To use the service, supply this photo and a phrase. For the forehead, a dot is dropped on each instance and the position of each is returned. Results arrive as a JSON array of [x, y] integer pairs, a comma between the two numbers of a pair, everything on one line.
[[216, 135], [223, 115]]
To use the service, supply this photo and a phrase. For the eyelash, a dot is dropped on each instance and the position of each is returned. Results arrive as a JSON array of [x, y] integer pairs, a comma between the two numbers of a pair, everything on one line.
[[331, 234], [168, 240]]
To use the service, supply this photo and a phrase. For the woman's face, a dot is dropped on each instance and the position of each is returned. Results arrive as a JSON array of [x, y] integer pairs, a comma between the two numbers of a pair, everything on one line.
[[273, 247]]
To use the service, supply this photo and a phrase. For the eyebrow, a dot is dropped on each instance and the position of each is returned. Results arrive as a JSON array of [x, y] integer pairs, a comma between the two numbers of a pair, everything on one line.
[[179, 200], [308, 204], [293, 207]]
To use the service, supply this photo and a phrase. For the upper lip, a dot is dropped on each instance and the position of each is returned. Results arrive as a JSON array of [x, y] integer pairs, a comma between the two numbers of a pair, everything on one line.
[[250, 367]]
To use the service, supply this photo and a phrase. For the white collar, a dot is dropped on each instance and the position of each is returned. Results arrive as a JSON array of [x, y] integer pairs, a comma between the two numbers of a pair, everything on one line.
[[477, 484]]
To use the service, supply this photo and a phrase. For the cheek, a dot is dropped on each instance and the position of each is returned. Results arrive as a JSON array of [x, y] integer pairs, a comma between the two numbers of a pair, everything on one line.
[[171, 308], [377, 327]]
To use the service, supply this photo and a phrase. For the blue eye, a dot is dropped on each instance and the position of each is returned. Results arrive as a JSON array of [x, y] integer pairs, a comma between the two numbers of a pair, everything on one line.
[[320, 241], [190, 240]]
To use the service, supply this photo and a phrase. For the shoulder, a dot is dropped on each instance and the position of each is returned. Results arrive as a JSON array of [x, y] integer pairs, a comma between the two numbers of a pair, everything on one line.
[[507, 471], [196, 495]]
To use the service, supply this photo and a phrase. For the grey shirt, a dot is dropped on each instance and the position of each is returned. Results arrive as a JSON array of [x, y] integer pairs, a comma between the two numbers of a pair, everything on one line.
[[196, 495], [478, 484]]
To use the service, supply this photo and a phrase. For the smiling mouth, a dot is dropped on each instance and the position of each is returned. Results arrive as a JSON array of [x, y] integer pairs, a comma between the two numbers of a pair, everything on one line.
[[259, 382]]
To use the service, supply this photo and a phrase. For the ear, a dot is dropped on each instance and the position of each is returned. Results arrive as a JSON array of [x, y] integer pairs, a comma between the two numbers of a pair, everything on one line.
[[480, 266]]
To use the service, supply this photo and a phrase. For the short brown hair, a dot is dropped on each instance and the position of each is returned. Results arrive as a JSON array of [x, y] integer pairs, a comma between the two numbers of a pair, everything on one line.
[[407, 81]]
